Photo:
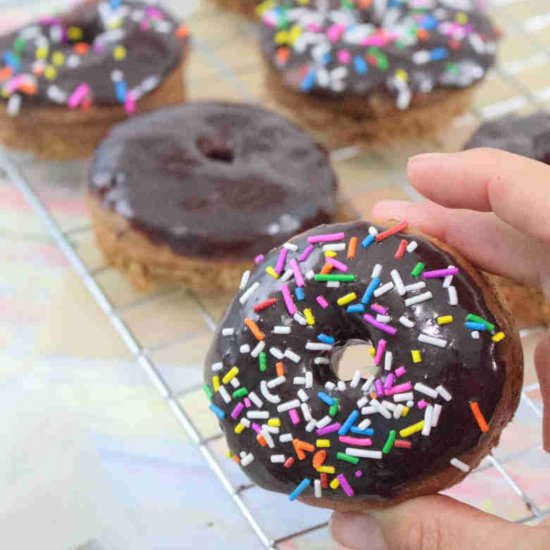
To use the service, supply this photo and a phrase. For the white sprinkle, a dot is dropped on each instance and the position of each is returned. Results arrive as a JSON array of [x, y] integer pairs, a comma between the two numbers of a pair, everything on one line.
[[330, 385], [398, 411], [247, 459], [288, 405], [235, 382], [310, 426], [406, 322], [228, 331], [321, 361], [334, 246], [415, 286], [257, 414], [14, 105], [225, 394], [258, 349], [299, 318], [362, 401], [291, 246], [333, 284], [383, 318], [279, 329], [255, 399], [437, 413], [302, 394], [388, 360], [373, 231], [310, 274], [389, 406], [432, 340], [362, 453], [318, 346], [287, 275], [245, 422], [368, 410], [448, 279], [369, 382], [309, 379], [285, 438], [377, 406], [217, 366], [269, 396], [276, 352], [294, 357], [441, 390], [317, 489], [270, 429], [381, 290], [426, 390], [410, 404], [364, 424], [277, 459], [398, 397], [276, 382], [268, 439], [245, 348], [453, 298], [475, 334], [341, 385], [356, 379], [376, 271], [418, 299], [421, 57], [428, 418], [411, 247], [306, 412], [398, 281], [299, 380], [325, 421], [247, 293], [460, 465]]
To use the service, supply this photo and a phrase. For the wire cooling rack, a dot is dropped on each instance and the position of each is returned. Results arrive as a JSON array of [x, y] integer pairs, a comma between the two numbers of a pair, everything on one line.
[[226, 66]]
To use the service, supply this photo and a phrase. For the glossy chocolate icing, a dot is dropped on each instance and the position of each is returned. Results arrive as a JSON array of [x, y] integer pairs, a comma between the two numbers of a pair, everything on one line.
[[470, 369], [523, 135], [219, 180], [147, 33], [333, 49]]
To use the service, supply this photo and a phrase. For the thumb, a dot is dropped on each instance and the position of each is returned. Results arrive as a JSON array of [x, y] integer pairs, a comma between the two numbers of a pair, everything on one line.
[[434, 523], [542, 364]]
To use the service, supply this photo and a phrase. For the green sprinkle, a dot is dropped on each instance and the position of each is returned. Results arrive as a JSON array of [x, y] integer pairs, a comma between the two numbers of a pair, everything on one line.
[[348, 4], [388, 446], [418, 269], [241, 392], [19, 44], [478, 319], [336, 277], [347, 458], [208, 391], [334, 408], [262, 358]]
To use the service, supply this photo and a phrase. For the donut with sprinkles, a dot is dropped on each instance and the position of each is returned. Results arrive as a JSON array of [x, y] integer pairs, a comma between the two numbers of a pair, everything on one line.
[[446, 374]]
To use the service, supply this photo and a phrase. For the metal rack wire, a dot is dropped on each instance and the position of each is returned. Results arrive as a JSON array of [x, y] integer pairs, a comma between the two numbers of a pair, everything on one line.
[[143, 356]]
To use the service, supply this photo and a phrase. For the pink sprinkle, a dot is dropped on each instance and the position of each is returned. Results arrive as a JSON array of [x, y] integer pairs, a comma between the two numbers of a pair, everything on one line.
[[297, 273], [344, 56], [389, 381], [280, 265], [400, 388], [422, 404], [380, 349], [237, 410], [289, 302], [334, 32], [438, 273], [329, 429], [345, 485], [375, 40], [294, 416], [154, 13], [380, 326], [313, 27], [305, 254], [338, 265], [259, 259], [328, 238], [256, 427], [379, 388], [144, 25], [400, 371], [379, 309], [247, 403], [321, 300], [77, 97], [358, 474], [130, 103], [366, 442]]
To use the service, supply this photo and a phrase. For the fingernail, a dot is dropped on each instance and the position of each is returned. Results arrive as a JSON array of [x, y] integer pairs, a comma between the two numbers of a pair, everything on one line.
[[357, 531], [428, 157]]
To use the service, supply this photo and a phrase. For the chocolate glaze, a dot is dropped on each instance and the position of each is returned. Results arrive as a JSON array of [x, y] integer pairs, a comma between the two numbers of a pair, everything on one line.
[[322, 60], [151, 54], [214, 179], [523, 135], [469, 369]]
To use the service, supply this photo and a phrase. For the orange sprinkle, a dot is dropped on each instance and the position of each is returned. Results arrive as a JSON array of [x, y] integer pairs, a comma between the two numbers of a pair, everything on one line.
[[402, 444], [261, 440], [364, 4], [352, 247], [373, 395], [6, 73], [254, 329], [182, 31], [283, 55], [280, 369], [391, 231], [478, 415], [27, 88], [37, 70], [423, 34], [327, 268], [86, 104], [236, 458], [299, 452], [81, 48], [305, 446], [319, 458]]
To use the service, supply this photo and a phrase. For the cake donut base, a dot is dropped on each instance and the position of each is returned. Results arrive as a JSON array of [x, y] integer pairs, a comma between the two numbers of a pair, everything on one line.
[[242, 7], [57, 133], [503, 414], [373, 119], [146, 264]]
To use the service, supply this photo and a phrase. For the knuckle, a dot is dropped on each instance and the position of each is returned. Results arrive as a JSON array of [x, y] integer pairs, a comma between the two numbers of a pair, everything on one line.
[[424, 534]]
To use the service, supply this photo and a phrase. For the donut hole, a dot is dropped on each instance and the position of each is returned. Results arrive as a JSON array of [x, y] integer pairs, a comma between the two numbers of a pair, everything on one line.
[[216, 148], [354, 355]]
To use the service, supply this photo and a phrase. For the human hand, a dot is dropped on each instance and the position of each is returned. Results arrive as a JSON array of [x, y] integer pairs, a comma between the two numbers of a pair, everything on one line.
[[494, 208]]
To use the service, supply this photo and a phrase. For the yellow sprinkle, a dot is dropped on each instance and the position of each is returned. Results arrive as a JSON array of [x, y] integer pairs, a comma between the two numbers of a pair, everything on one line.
[[402, 75], [41, 53], [445, 319], [230, 375], [405, 432], [58, 59], [239, 428], [334, 484], [326, 469], [4, 93], [323, 443], [294, 33], [416, 357], [372, 351], [405, 412], [228, 454], [270, 271], [346, 299], [216, 382], [461, 18], [264, 6], [281, 38], [498, 337], [309, 316], [75, 33], [274, 422], [330, 253], [50, 72], [119, 53]]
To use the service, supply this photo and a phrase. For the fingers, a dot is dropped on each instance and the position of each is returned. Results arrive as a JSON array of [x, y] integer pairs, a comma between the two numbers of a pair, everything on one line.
[[542, 364], [515, 188], [481, 237], [434, 523]]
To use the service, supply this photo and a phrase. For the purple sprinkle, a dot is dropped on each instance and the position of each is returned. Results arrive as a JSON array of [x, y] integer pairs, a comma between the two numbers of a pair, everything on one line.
[[321, 300], [294, 417], [380, 349], [247, 403], [379, 388], [281, 260], [328, 238], [338, 265], [389, 381], [329, 429], [400, 371], [379, 309], [345, 485], [438, 273], [305, 254], [237, 410], [358, 473], [259, 259], [400, 388], [289, 302], [297, 273], [380, 326], [256, 427], [422, 404]]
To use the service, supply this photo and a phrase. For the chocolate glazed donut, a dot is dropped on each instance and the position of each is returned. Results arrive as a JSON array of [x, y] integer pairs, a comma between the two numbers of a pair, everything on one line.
[[449, 367]]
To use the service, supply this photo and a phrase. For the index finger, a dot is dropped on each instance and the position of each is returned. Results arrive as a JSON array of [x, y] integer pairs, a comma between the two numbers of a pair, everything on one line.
[[515, 188]]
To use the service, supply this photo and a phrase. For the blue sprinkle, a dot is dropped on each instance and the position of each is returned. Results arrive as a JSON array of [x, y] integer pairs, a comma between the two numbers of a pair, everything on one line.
[[360, 65], [308, 81], [115, 4], [299, 293], [369, 239], [475, 326], [356, 308], [370, 290], [350, 421], [326, 59], [121, 89], [303, 485], [438, 54], [429, 22], [356, 430], [11, 60], [217, 411], [325, 398], [326, 339]]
